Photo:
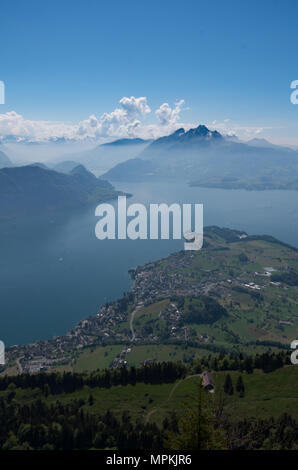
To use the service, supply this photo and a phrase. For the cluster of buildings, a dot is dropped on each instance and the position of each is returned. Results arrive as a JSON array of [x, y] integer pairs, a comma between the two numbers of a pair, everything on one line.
[[164, 279]]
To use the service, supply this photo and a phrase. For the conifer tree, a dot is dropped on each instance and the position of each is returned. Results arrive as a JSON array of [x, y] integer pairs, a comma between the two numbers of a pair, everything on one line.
[[240, 386], [228, 385], [197, 427]]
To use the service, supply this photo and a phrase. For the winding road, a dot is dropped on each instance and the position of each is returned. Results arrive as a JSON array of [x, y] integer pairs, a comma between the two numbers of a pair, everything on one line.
[[18, 362], [170, 395], [132, 316]]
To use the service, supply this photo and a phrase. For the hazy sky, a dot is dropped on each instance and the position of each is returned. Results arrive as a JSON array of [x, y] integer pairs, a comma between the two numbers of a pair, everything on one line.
[[230, 61]]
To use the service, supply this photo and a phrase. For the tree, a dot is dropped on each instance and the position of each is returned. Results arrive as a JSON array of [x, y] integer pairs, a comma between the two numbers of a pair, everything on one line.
[[248, 365], [90, 400], [11, 389], [240, 386], [243, 258], [46, 390], [197, 426], [228, 385]]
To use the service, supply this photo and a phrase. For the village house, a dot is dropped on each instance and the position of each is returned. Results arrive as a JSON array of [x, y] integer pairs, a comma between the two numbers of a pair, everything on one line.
[[207, 381]]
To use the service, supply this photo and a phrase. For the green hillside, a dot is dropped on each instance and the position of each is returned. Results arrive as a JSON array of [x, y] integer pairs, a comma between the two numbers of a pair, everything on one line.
[[82, 411]]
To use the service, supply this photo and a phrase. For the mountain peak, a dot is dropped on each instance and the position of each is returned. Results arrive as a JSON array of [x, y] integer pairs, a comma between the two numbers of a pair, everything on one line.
[[82, 174], [203, 131], [179, 131], [197, 134], [79, 169]]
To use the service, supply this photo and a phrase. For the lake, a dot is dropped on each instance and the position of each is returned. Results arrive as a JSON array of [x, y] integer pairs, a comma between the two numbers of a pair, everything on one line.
[[54, 271]]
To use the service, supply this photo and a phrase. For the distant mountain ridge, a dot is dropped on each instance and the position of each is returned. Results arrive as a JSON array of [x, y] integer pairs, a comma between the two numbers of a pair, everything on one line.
[[120, 142], [202, 157], [104, 156], [65, 167]]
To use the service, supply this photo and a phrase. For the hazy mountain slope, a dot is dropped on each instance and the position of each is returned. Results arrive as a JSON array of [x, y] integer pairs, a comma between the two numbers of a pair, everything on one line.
[[4, 160], [31, 189], [121, 142], [105, 156], [41, 165], [132, 170], [206, 158], [65, 167]]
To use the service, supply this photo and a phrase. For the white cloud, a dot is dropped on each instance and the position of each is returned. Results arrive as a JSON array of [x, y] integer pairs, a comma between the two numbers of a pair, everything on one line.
[[133, 106], [126, 120], [168, 116], [228, 127], [15, 125]]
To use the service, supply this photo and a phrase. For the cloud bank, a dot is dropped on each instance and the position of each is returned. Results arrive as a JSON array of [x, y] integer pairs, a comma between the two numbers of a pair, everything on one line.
[[125, 121]]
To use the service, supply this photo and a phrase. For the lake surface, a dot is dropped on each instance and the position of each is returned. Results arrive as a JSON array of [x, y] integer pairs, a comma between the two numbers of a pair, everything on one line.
[[54, 271]]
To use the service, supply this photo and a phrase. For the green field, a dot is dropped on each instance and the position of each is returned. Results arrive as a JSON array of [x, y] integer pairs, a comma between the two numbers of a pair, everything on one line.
[[96, 358], [99, 357], [139, 400], [266, 395], [160, 353]]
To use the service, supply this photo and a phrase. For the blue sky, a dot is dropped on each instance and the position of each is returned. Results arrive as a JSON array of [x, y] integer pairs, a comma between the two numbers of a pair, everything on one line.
[[67, 60]]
